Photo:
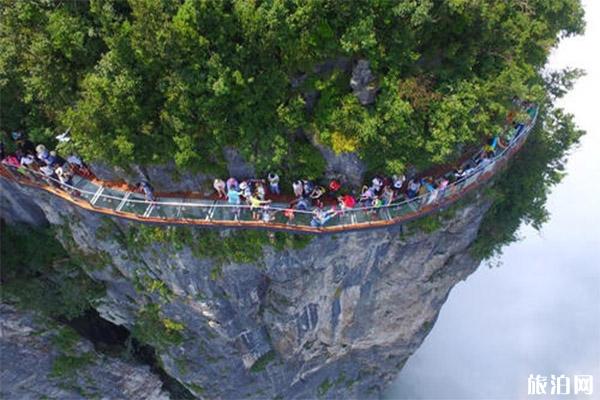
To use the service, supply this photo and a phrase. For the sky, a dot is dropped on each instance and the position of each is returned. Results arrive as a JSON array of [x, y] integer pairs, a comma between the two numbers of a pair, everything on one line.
[[539, 311]]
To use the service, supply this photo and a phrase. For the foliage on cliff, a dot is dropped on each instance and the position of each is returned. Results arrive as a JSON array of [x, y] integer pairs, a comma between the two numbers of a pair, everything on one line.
[[521, 191], [37, 273], [149, 81]]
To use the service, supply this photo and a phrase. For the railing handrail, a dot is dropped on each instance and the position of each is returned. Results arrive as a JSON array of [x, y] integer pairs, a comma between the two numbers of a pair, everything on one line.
[[419, 199]]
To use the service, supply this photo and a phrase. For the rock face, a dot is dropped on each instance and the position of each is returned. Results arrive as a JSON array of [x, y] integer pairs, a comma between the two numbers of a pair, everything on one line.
[[35, 357], [168, 178], [335, 319], [347, 167], [363, 83]]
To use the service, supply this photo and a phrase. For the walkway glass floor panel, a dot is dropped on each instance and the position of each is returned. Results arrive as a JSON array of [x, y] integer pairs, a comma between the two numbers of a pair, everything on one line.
[[88, 189], [167, 211], [104, 202], [224, 213], [134, 207], [342, 219], [191, 211], [302, 219], [365, 216], [402, 209]]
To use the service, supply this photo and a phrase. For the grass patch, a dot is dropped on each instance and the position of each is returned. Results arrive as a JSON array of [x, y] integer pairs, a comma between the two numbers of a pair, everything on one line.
[[324, 387], [151, 328]]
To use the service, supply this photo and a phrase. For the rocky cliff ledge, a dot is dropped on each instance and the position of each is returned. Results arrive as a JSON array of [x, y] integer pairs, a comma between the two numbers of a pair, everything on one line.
[[42, 360], [334, 316]]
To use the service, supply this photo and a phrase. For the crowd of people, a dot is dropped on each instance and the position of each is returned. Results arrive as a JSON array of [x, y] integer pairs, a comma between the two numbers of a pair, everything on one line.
[[36, 160], [321, 200]]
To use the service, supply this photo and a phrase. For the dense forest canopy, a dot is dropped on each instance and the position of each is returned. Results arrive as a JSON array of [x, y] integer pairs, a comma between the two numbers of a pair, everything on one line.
[[149, 81]]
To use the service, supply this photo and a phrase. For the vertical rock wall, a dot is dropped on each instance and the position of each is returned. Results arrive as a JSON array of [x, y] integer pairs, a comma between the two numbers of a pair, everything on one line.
[[337, 318]]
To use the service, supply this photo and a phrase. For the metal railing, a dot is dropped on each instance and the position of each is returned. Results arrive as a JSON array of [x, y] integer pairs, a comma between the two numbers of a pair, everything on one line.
[[190, 210]]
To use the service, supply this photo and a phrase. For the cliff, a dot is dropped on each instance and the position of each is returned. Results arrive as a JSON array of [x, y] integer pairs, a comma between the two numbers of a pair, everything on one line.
[[238, 315], [42, 360]]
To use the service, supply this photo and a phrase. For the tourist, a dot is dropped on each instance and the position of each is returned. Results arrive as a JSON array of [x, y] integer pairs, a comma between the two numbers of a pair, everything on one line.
[[246, 190], [317, 196], [12, 161], [377, 184], [273, 183], [78, 166], [64, 176], [255, 204], [334, 185], [367, 195], [309, 186], [55, 160], [321, 217], [42, 153], [232, 184], [346, 202], [413, 188], [388, 195], [147, 189], [298, 188], [431, 190], [26, 160], [268, 215], [219, 187], [233, 199], [301, 203], [49, 176], [289, 213], [442, 184], [260, 190], [397, 182]]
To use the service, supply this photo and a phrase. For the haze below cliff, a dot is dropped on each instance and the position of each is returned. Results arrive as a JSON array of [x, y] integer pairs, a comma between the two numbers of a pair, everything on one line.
[[540, 311]]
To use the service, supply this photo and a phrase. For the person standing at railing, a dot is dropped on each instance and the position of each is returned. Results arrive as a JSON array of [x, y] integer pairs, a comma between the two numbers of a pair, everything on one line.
[[219, 187], [388, 195], [27, 162], [273, 183], [65, 177], [492, 145], [246, 190], [255, 205], [308, 186], [147, 189], [78, 166], [413, 188], [43, 154], [442, 184], [433, 192], [397, 183], [298, 188], [268, 215], [290, 214], [320, 217], [346, 202], [316, 196], [367, 195], [260, 190], [232, 184], [11, 161], [49, 175], [233, 198], [377, 184]]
